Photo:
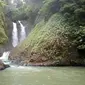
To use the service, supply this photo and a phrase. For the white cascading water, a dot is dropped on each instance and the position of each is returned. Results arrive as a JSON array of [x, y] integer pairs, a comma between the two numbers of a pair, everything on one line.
[[4, 57], [12, 1], [23, 32], [15, 41], [14, 35], [23, 1]]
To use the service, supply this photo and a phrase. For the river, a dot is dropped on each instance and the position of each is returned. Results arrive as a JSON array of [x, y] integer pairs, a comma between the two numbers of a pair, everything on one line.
[[43, 76]]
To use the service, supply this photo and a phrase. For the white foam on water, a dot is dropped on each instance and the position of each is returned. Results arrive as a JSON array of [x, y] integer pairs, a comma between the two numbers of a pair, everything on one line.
[[4, 57], [26, 68]]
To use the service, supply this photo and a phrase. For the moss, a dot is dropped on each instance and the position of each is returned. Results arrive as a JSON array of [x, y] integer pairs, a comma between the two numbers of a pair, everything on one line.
[[58, 35], [3, 37], [47, 39]]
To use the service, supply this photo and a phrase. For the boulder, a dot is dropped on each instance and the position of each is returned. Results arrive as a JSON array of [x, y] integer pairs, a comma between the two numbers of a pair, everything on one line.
[[3, 66]]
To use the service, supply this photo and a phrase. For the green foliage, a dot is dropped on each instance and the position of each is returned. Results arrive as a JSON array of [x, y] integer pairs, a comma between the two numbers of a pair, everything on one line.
[[80, 16], [49, 39], [80, 37], [2, 4], [50, 7], [73, 10], [62, 27], [21, 13], [76, 10], [3, 37], [68, 8], [74, 13], [24, 12]]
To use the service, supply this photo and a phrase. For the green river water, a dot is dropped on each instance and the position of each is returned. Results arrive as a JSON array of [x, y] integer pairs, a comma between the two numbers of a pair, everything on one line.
[[43, 76]]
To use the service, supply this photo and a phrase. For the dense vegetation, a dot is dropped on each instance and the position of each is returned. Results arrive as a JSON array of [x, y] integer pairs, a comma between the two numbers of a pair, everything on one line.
[[25, 11], [3, 37], [74, 13], [60, 33]]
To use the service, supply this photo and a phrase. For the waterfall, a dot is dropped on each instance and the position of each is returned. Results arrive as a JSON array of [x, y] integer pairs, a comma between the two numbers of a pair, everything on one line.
[[15, 40], [12, 1], [4, 57], [14, 35], [23, 32], [23, 1]]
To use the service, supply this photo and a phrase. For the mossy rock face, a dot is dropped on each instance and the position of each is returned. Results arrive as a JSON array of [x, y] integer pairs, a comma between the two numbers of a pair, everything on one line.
[[48, 44], [57, 39], [3, 37]]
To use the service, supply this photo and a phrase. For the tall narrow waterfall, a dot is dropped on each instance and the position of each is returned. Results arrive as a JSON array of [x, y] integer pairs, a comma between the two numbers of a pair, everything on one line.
[[23, 32], [14, 35]]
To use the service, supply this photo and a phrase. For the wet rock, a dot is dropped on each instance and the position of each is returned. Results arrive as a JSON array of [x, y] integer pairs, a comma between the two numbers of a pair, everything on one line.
[[3, 66]]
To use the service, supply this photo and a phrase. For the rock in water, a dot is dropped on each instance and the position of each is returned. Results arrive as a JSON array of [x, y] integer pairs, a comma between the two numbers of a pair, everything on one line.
[[3, 66]]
